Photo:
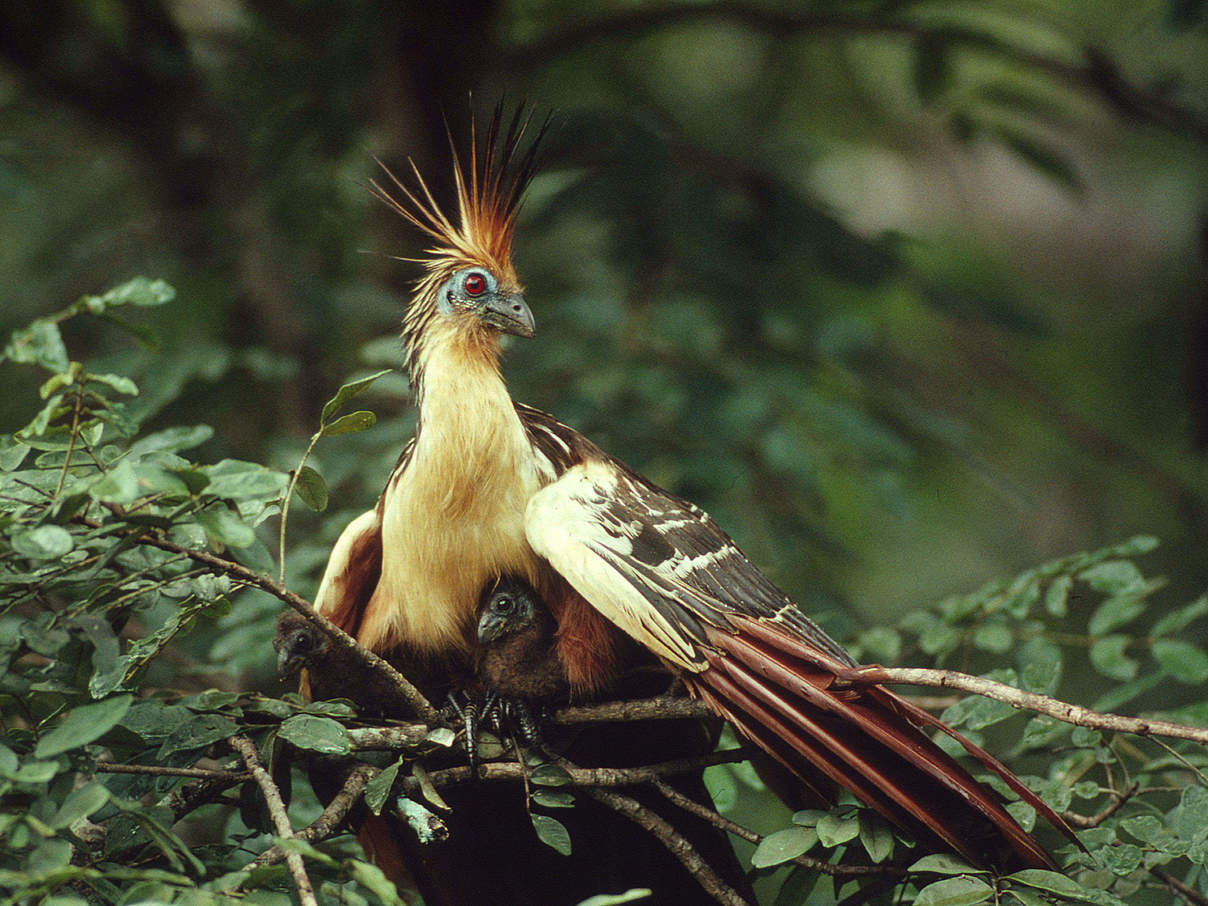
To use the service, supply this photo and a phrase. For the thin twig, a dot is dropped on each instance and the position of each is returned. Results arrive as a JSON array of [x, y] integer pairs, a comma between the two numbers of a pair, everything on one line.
[[1031, 701], [712, 883], [106, 767], [1190, 894], [1087, 821], [495, 771], [276, 809], [331, 818]]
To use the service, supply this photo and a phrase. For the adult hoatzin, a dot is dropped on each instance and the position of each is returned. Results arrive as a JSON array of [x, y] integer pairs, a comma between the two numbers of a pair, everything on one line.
[[489, 487]]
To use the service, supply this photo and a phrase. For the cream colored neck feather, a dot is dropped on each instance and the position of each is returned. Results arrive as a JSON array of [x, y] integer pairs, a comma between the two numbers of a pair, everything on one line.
[[454, 518]]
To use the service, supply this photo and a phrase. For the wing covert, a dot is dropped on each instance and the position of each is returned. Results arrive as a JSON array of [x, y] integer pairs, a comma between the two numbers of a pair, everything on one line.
[[656, 566]]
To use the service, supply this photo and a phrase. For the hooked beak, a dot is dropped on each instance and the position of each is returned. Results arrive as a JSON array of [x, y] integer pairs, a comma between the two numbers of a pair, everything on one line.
[[509, 313], [490, 627]]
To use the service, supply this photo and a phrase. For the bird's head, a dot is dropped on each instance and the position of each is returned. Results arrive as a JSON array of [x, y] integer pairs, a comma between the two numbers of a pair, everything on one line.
[[469, 293], [297, 644], [507, 609]]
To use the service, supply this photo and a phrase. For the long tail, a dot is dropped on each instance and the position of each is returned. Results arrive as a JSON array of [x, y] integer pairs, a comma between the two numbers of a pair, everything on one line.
[[790, 699]]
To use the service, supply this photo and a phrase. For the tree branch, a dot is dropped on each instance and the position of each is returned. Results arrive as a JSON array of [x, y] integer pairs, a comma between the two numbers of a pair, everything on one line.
[[276, 808], [494, 771], [331, 818], [1031, 701], [709, 880]]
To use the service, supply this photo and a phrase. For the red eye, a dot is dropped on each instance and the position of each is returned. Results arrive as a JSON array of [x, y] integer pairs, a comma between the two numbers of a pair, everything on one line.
[[474, 284]]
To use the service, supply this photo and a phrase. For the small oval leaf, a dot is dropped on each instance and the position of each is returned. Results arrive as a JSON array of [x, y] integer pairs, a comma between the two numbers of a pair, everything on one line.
[[783, 845], [349, 424], [552, 833]]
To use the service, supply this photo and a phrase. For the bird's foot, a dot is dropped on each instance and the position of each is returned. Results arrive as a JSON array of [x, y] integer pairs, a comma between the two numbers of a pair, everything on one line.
[[519, 718], [469, 713]]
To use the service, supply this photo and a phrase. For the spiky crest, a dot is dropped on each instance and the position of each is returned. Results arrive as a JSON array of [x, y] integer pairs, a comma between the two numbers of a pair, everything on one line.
[[489, 192]]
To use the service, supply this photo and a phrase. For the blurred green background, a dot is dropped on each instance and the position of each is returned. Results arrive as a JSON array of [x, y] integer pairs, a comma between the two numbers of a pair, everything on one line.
[[906, 294]]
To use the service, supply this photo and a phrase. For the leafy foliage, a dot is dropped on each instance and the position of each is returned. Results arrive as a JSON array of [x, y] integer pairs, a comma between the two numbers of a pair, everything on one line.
[[118, 546]]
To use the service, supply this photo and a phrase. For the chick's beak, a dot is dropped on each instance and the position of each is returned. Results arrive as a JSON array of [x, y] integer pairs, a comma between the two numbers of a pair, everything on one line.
[[509, 313], [490, 627]]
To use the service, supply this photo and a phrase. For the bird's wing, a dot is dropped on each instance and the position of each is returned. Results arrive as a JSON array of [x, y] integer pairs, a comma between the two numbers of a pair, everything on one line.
[[661, 570], [352, 572], [656, 566]]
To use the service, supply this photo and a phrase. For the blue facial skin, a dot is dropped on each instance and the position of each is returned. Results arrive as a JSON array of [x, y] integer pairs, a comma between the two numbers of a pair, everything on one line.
[[476, 290]]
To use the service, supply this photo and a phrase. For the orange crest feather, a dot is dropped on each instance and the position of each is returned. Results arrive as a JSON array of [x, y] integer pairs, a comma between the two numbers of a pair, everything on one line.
[[489, 193]]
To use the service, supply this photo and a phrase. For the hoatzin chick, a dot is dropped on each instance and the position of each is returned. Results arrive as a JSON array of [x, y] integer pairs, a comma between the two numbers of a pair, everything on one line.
[[489, 487]]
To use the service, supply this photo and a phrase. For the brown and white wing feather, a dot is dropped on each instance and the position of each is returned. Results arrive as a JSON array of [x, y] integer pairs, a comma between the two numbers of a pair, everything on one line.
[[661, 570], [655, 565]]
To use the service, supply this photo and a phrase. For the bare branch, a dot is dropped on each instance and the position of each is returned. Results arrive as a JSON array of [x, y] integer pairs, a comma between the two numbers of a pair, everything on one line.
[[1087, 821], [276, 808], [709, 880], [331, 818], [1031, 701], [233, 777], [581, 777]]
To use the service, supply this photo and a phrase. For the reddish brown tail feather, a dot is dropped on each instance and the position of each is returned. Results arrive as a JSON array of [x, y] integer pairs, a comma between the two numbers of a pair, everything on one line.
[[791, 700]]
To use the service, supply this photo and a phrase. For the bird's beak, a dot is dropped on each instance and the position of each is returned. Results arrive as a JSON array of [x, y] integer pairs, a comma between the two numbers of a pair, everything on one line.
[[490, 627], [509, 313], [288, 663]]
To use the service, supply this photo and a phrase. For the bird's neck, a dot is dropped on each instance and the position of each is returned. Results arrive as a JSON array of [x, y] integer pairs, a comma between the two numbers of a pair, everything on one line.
[[453, 518]]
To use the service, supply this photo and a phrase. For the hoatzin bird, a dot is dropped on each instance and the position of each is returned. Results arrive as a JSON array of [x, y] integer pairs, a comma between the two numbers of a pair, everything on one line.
[[489, 487]]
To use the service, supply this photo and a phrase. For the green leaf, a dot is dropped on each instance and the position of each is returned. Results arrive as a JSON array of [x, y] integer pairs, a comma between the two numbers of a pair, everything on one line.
[[1122, 859], [834, 830], [80, 804], [1115, 612], [197, 733], [375, 881], [1052, 882], [1145, 828], [235, 479], [1113, 577], [782, 846], [119, 485], [550, 775], [962, 891], [317, 734], [995, 637], [1107, 656], [140, 291], [46, 542], [1057, 596], [1191, 816], [312, 489], [39, 344], [377, 790], [83, 725], [347, 392], [225, 527], [552, 833], [943, 864], [1182, 660], [1179, 619], [877, 839], [554, 798], [361, 420], [118, 382], [1040, 662]]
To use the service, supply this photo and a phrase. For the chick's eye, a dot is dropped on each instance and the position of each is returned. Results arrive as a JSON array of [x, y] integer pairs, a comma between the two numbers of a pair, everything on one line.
[[504, 604], [474, 284]]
